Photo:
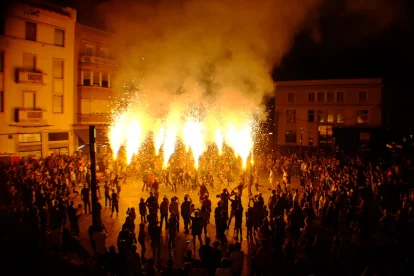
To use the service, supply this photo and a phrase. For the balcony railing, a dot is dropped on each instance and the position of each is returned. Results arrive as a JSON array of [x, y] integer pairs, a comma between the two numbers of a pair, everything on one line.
[[98, 60], [24, 76], [29, 115]]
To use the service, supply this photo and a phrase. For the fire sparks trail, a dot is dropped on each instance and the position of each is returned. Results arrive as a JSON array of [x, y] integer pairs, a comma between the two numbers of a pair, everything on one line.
[[158, 139], [193, 138], [219, 141], [134, 138], [196, 131]]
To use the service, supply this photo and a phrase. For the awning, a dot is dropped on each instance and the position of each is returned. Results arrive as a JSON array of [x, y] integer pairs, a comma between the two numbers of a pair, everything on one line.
[[83, 135]]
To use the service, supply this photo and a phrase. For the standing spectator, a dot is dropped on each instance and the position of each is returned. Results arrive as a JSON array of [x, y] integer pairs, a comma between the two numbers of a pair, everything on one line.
[[107, 194], [143, 210], [196, 228], [237, 259], [86, 199], [114, 200], [164, 212]]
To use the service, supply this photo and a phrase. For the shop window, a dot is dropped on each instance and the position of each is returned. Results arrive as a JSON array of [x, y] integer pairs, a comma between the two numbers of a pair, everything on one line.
[[290, 137]]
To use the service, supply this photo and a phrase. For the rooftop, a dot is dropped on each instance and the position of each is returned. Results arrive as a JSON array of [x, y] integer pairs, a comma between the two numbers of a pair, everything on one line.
[[371, 81]]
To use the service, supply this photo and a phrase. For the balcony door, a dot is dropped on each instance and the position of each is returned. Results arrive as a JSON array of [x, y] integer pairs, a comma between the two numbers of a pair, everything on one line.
[[29, 99]]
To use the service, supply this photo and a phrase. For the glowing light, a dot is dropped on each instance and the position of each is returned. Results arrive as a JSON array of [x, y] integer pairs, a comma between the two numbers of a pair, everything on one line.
[[133, 142], [117, 134], [251, 159], [158, 139], [193, 138], [219, 141], [245, 143]]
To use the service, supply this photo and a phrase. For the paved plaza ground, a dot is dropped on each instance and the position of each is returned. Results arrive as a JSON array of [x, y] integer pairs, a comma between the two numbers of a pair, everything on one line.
[[132, 192]]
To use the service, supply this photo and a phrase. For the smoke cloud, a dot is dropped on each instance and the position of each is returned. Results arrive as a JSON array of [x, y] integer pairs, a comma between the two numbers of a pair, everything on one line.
[[218, 52]]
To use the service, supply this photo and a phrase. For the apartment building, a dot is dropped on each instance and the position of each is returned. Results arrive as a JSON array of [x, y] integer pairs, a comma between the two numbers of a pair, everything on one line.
[[308, 112], [95, 67], [36, 80]]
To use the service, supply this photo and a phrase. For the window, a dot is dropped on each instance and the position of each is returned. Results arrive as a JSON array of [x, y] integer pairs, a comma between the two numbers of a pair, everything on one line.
[[105, 79], [58, 66], [331, 115], [58, 74], [321, 97], [311, 116], [290, 137], [339, 96], [31, 31], [96, 78], [330, 96], [59, 37], [362, 116], [325, 134], [291, 97], [29, 99], [310, 138], [339, 117], [1, 101], [362, 96], [86, 78], [311, 97], [58, 136], [104, 52], [89, 50], [290, 116], [321, 116], [29, 62], [1, 61]]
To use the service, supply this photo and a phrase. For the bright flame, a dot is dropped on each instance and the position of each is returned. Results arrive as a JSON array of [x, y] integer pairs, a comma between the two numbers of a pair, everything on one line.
[[219, 141], [193, 138], [245, 143], [133, 142], [117, 134], [158, 139], [251, 159]]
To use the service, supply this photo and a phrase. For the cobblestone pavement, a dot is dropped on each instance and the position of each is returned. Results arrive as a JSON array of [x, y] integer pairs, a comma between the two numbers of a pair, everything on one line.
[[131, 193]]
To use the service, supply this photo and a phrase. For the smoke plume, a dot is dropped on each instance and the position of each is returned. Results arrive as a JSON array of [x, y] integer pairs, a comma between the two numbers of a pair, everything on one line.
[[218, 52]]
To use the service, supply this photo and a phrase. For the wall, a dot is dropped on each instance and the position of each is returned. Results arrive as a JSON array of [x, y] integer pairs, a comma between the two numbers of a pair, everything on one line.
[[348, 107], [14, 45]]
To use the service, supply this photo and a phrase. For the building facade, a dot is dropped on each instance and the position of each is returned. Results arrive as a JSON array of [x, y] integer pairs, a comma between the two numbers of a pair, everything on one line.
[[36, 80], [308, 112], [95, 67]]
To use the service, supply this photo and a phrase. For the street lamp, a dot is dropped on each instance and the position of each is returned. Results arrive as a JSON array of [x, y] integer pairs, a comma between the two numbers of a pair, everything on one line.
[[301, 137]]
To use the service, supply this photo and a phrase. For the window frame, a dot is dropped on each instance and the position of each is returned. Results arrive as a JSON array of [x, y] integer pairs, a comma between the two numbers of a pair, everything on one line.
[[291, 100], [63, 37], [1, 101], [321, 99], [332, 99], [364, 98], [290, 133], [293, 112], [34, 99], [309, 114], [340, 100], [62, 79], [311, 97], [359, 112], [26, 32]]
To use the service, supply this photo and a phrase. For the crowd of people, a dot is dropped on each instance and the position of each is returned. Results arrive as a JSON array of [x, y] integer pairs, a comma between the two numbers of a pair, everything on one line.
[[348, 216]]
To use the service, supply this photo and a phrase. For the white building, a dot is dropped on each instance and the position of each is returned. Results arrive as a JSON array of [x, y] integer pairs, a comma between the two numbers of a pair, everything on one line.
[[36, 80]]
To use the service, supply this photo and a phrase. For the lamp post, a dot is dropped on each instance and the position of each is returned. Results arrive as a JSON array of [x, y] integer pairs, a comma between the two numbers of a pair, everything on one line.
[[92, 145], [301, 139]]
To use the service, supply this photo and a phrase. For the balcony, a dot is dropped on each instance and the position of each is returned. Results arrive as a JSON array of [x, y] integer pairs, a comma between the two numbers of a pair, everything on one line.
[[25, 115], [93, 119], [95, 92], [98, 60], [24, 76]]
